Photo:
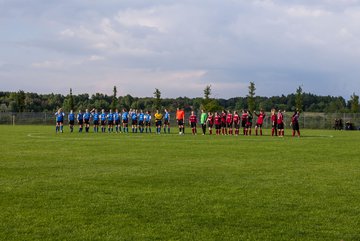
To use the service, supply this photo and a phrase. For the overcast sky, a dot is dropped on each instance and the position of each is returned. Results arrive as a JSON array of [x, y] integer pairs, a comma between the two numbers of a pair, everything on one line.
[[180, 46]]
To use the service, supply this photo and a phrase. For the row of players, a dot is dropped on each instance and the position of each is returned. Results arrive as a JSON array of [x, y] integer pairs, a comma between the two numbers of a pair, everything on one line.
[[226, 123]]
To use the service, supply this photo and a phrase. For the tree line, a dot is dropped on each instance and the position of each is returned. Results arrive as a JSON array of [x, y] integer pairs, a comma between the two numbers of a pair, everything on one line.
[[21, 101]]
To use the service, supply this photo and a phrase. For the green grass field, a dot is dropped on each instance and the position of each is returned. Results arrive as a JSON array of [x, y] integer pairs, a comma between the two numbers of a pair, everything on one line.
[[170, 187]]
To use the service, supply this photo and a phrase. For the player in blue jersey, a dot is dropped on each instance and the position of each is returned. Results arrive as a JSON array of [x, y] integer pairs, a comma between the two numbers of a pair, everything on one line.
[[110, 120], [147, 119], [125, 121], [95, 116], [103, 120], [80, 120], [141, 118], [117, 121], [59, 121], [87, 116], [71, 119], [167, 121], [134, 121]]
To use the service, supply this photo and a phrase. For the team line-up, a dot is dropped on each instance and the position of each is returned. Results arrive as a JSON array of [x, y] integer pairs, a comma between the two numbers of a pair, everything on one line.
[[225, 123]]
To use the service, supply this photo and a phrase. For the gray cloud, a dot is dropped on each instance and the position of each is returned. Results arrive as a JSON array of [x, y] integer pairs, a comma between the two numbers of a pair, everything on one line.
[[93, 46]]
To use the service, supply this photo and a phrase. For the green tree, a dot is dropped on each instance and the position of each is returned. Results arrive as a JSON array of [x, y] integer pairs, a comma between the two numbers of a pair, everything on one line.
[[114, 99], [20, 100], [69, 102], [206, 100], [157, 96], [354, 103], [251, 97], [207, 92], [299, 99], [208, 103]]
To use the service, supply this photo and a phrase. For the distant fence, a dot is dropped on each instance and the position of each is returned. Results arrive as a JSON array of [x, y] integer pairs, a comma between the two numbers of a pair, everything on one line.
[[307, 120]]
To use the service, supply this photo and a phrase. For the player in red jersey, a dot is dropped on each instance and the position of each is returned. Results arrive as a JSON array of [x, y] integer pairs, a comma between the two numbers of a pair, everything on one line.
[[295, 123], [260, 121], [217, 121], [192, 122], [210, 122], [244, 120], [229, 123], [236, 120], [273, 122], [223, 122], [249, 123], [280, 123]]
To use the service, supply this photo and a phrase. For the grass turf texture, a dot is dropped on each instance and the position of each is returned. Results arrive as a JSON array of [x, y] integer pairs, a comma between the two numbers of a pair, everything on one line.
[[170, 187]]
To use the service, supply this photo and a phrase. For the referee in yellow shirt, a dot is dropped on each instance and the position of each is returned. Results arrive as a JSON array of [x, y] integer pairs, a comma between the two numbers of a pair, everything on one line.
[[158, 119]]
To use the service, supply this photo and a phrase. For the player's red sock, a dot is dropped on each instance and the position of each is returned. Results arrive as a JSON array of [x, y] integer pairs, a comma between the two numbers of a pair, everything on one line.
[[210, 132], [250, 132], [293, 133], [298, 133], [260, 132], [256, 131]]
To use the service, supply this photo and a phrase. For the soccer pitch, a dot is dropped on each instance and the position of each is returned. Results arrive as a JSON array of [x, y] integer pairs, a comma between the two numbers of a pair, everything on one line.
[[75, 186]]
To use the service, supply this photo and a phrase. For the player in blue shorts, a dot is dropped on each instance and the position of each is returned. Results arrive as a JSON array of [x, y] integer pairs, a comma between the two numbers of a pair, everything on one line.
[[141, 118], [110, 120], [103, 121], [71, 119], [87, 116], [125, 121], [147, 119], [95, 117], [117, 121], [80, 120], [167, 121], [59, 121]]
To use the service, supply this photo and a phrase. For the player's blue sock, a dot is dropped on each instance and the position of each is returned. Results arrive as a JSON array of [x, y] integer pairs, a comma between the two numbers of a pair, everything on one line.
[[61, 128], [56, 128], [117, 129], [135, 130], [164, 130], [169, 130], [150, 130]]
